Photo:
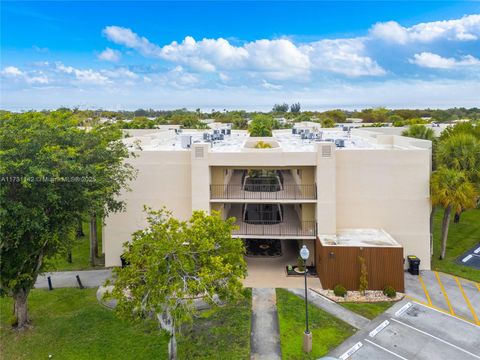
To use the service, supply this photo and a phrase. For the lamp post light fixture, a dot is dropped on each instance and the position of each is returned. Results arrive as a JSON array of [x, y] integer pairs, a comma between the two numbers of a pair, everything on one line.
[[307, 335]]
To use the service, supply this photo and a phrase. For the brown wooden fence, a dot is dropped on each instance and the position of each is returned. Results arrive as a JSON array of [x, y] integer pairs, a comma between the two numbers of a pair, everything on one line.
[[340, 265]]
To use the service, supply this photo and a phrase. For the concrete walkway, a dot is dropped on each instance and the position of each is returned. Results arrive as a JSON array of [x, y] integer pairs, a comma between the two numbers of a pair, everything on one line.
[[67, 279], [265, 336], [331, 307]]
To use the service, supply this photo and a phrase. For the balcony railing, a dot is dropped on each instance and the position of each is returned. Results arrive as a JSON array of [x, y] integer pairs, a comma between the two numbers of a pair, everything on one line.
[[264, 191], [266, 228]]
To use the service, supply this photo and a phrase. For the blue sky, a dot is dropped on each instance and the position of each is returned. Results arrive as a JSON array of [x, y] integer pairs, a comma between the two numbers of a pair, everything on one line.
[[126, 55]]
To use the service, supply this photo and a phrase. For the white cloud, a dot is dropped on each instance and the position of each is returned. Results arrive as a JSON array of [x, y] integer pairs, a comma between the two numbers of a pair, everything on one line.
[[343, 56], [128, 38], [277, 59], [84, 76], [466, 28], [12, 71], [270, 86], [435, 61], [33, 77], [110, 55]]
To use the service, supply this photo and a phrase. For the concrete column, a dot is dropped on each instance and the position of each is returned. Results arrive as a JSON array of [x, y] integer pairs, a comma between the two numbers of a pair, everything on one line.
[[326, 188], [200, 177]]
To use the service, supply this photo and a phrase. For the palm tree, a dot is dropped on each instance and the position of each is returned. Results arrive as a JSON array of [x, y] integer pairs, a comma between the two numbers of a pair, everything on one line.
[[452, 190], [460, 151], [419, 131]]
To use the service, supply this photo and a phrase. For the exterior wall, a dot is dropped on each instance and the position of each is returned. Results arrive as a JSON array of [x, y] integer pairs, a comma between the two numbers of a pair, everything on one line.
[[326, 185], [386, 189], [163, 180], [340, 265], [356, 188]]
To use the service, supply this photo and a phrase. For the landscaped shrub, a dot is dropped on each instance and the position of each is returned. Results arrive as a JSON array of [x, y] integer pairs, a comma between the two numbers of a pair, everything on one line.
[[300, 264], [389, 291], [363, 275], [339, 290], [262, 145]]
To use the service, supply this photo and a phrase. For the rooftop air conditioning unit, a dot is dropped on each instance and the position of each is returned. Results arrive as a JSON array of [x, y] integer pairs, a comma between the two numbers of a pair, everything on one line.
[[186, 141], [340, 143]]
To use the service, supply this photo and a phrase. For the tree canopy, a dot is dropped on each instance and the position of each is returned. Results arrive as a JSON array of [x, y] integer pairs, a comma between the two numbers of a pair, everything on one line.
[[50, 175], [173, 262]]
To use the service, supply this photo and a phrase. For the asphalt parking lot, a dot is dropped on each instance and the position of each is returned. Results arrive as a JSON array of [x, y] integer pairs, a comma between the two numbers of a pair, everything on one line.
[[410, 330], [446, 293], [471, 258]]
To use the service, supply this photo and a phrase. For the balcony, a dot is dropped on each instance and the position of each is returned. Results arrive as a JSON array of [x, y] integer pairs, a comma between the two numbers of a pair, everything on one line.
[[236, 189], [290, 227]]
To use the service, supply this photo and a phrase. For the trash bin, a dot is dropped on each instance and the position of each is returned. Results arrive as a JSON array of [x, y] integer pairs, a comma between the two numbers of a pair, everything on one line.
[[413, 264]]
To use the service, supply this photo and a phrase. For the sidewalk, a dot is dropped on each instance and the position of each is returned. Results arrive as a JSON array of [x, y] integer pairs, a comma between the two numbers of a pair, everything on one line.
[[67, 279], [265, 336], [334, 309]]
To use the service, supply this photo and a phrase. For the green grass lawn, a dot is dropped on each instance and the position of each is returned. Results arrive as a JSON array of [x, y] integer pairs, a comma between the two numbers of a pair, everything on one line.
[[223, 333], [461, 237], [80, 253], [70, 324], [327, 331], [368, 310]]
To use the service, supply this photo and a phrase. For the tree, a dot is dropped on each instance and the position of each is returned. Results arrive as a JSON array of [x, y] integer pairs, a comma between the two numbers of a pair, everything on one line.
[[280, 108], [173, 262], [460, 151], [262, 125], [452, 190], [44, 191], [295, 107], [327, 123], [337, 115], [396, 120], [419, 131]]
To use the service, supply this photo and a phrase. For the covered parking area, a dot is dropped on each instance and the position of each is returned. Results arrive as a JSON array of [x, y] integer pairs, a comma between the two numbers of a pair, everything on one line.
[[271, 271]]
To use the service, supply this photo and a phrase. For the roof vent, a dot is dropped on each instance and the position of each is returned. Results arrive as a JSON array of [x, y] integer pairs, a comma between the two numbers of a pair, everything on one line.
[[199, 153], [326, 151]]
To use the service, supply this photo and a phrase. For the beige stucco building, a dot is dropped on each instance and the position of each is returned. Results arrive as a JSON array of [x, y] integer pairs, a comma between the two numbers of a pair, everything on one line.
[[311, 183]]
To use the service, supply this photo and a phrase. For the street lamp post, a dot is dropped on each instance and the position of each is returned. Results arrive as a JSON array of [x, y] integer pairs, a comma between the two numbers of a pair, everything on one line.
[[307, 335]]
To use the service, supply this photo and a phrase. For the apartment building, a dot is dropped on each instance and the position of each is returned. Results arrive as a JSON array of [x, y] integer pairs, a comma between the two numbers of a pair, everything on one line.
[[343, 187]]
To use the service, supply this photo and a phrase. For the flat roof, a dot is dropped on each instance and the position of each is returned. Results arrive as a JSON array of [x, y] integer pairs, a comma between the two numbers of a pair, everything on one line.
[[359, 238], [302, 138], [169, 140]]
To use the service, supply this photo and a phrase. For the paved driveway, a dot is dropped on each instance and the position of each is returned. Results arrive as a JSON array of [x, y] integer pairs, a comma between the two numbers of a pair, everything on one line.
[[414, 331], [446, 293]]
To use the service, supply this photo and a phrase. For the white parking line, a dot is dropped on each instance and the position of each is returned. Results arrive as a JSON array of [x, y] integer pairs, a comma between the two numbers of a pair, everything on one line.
[[403, 309], [381, 347], [379, 328], [351, 351], [436, 338]]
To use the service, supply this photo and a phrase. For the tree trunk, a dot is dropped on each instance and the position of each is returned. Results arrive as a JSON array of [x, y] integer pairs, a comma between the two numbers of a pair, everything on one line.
[[456, 218], [172, 347], [20, 308], [80, 232], [69, 256], [93, 240], [432, 216], [445, 225]]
